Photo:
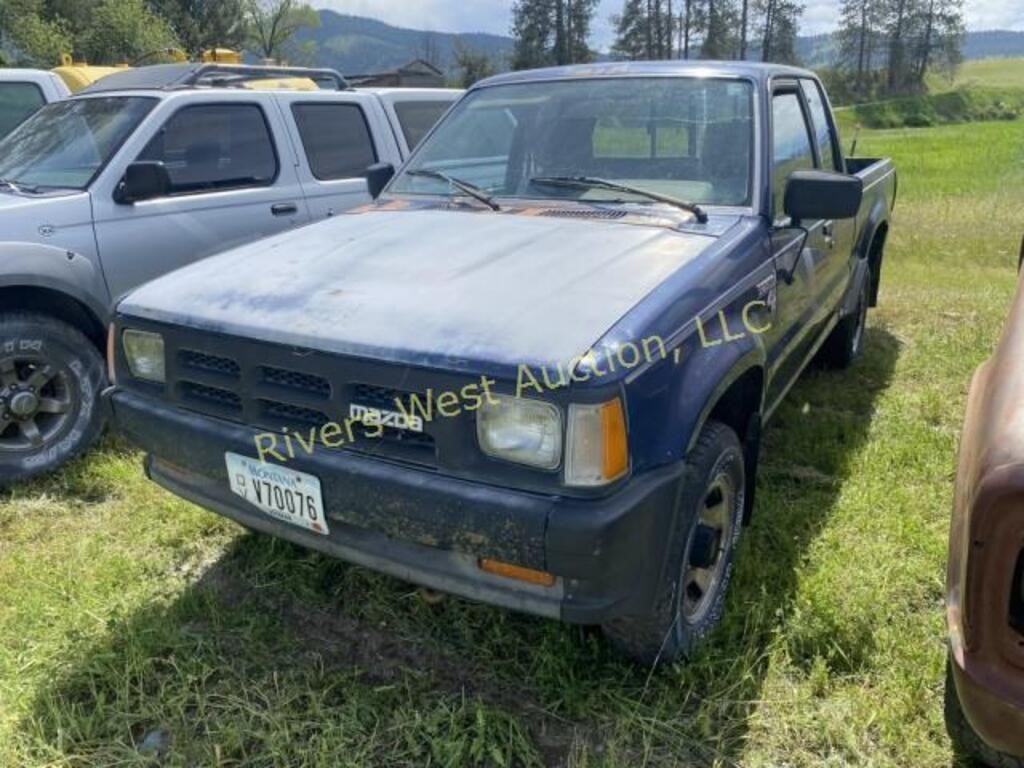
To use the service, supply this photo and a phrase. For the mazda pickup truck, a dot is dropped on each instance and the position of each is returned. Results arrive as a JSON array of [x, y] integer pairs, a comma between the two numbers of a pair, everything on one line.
[[145, 171], [535, 371]]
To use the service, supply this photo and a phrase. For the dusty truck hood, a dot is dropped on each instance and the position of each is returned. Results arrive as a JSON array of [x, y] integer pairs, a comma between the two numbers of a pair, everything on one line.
[[433, 287]]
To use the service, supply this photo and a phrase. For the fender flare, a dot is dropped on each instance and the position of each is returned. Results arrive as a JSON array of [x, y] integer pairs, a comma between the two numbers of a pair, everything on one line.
[[56, 269], [744, 359]]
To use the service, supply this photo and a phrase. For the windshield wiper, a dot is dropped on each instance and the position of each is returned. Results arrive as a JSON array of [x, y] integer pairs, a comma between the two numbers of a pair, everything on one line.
[[463, 186], [19, 187], [593, 182]]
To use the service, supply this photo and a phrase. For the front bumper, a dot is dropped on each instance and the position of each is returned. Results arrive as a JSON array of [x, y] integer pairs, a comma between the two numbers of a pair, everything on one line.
[[607, 553]]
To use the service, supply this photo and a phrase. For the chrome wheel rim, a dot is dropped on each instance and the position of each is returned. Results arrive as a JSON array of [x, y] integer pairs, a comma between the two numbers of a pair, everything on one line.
[[707, 549], [36, 403]]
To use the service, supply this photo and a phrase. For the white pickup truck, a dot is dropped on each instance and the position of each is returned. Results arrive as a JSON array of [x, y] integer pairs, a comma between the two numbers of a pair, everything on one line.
[[148, 170], [23, 91]]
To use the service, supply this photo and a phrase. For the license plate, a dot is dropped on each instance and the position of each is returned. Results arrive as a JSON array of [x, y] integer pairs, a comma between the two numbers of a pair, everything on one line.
[[284, 494]]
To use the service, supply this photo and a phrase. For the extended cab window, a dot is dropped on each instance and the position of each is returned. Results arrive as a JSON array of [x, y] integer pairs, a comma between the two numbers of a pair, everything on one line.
[[791, 144], [215, 146], [417, 118], [336, 139], [17, 101], [819, 119]]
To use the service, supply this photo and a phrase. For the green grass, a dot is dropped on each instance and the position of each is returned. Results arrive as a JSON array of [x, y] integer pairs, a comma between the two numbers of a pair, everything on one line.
[[996, 72], [980, 90], [133, 624]]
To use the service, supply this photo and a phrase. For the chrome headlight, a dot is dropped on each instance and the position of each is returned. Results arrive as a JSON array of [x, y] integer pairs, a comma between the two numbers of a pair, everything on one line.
[[524, 431], [144, 353]]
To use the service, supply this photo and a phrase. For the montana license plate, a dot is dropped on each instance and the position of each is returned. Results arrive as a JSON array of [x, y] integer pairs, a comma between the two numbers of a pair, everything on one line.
[[290, 496]]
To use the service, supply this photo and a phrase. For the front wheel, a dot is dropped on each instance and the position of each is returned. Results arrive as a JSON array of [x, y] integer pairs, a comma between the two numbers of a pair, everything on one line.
[[709, 517], [51, 377]]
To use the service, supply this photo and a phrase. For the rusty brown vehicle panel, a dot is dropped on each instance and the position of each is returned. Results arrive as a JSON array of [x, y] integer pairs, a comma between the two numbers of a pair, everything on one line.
[[985, 579]]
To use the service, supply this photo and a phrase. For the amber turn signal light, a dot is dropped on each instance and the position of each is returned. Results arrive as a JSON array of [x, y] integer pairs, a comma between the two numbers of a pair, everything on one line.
[[529, 575]]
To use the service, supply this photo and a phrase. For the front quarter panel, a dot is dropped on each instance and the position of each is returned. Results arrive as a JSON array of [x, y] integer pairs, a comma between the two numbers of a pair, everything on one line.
[[57, 269]]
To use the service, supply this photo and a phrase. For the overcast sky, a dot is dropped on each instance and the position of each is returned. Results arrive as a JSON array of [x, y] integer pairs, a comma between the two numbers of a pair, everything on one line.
[[493, 15]]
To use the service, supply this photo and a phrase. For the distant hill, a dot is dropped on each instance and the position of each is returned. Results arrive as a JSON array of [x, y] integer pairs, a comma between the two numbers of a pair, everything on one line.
[[820, 50], [358, 45]]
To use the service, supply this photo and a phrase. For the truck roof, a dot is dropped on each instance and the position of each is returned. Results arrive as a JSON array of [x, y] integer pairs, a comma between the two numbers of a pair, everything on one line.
[[169, 77], [681, 68]]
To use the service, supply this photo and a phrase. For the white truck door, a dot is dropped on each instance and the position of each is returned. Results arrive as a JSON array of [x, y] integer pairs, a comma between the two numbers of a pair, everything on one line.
[[339, 135], [233, 180]]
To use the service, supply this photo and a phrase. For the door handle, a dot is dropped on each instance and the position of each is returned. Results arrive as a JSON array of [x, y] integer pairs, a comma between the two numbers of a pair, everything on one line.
[[284, 209], [828, 231]]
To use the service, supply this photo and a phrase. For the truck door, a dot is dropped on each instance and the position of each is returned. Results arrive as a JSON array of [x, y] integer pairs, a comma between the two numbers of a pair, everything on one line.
[[801, 264], [339, 136], [232, 181]]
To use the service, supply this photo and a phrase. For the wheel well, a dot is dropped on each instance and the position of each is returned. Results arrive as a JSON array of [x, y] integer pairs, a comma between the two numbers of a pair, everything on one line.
[[56, 304], [875, 251], [739, 407]]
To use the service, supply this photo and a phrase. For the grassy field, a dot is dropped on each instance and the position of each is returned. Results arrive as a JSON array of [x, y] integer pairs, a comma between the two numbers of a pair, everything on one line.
[[136, 629], [1007, 72]]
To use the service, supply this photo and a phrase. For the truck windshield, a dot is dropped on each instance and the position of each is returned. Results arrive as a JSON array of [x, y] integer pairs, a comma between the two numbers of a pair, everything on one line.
[[686, 138], [65, 144]]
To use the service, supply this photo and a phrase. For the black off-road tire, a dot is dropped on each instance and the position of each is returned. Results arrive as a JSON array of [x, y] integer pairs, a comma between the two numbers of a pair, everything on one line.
[[967, 744], [846, 342], [53, 364], [667, 634]]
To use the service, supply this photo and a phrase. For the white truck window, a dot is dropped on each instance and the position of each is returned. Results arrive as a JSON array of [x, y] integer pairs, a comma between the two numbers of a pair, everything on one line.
[[214, 147], [336, 139], [416, 118], [18, 101]]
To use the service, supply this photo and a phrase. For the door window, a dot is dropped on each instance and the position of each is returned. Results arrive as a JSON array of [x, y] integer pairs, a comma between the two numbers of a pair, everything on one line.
[[418, 117], [215, 146], [17, 101], [791, 144], [819, 119], [336, 138]]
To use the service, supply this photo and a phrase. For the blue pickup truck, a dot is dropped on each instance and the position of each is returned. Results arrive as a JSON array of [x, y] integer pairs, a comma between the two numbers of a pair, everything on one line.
[[535, 370]]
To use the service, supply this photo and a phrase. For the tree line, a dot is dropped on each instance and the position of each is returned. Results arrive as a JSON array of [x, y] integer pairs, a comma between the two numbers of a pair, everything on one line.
[[38, 32], [884, 47]]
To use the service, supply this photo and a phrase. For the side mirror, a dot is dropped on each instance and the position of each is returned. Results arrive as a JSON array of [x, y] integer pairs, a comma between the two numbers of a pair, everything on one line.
[[377, 177], [143, 180], [822, 195]]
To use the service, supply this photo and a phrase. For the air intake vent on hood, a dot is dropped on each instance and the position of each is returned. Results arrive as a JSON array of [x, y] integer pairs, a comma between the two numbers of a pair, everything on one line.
[[575, 213]]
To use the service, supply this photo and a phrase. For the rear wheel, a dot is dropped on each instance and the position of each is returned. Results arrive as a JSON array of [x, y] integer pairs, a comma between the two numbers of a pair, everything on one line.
[[846, 342], [967, 744], [709, 517], [51, 377]]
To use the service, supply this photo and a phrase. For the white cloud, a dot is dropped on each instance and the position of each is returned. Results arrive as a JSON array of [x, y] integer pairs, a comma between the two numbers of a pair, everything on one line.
[[495, 15]]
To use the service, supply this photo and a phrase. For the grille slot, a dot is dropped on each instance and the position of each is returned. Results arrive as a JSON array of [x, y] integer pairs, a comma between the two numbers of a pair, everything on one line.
[[294, 414], [298, 381], [200, 361], [383, 398], [220, 399]]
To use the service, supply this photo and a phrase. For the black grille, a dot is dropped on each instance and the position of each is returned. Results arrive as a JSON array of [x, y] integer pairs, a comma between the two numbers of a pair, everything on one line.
[[221, 398], [201, 361], [285, 412], [301, 382]]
